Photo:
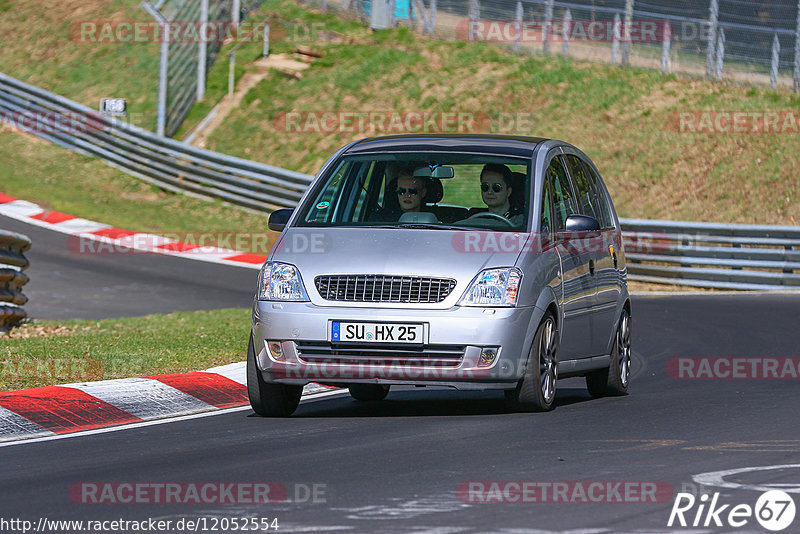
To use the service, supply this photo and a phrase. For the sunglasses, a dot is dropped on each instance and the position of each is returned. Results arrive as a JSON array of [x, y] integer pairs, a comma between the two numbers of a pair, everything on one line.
[[495, 187], [413, 191]]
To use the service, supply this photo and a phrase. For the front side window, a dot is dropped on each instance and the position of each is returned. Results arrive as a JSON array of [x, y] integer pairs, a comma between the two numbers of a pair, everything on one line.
[[458, 191], [563, 198]]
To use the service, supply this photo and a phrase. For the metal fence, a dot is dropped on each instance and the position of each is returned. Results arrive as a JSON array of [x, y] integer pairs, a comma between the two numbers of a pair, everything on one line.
[[724, 256], [184, 63], [756, 41], [164, 162], [12, 262]]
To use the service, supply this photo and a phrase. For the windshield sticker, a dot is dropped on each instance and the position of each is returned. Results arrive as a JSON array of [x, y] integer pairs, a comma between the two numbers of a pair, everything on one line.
[[323, 205]]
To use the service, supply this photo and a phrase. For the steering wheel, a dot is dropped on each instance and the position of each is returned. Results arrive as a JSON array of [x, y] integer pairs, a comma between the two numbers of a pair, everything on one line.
[[493, 217]]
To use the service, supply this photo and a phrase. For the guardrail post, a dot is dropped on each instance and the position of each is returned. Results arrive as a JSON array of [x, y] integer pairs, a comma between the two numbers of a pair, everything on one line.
[[720, 53], [776, 57], [626, 41], [617, 35], [518, 37], [565, 30], [12, 262], [547, 29], [666, 42], [266, 41], [713, 21], [202, 49]]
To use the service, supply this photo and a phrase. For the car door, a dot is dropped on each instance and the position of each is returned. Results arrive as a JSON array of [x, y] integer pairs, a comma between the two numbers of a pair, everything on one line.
[[576, 286], [603, 274]]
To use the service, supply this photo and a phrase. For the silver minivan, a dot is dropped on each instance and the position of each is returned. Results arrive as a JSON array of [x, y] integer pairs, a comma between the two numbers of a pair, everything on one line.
[[465, 261]]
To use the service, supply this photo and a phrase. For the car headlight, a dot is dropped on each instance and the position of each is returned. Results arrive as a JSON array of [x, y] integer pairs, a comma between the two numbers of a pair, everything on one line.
[[280, 281], [493, 287]]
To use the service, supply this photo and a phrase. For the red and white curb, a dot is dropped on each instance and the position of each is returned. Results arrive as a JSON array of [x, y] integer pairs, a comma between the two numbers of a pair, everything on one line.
[[120, 239], [53, 410]]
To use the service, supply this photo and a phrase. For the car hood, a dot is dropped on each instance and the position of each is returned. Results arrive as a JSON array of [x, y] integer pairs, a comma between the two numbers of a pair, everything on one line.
[[454, 254]]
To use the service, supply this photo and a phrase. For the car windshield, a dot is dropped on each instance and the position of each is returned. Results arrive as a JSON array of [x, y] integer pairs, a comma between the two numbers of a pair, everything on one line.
[[422, 190]]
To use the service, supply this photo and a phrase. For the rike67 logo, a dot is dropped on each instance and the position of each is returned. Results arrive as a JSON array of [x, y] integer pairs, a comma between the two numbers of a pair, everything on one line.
[[774, 510]]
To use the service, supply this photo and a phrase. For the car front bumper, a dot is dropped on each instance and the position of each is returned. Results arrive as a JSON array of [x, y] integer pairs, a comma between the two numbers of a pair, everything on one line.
[[450, 355]]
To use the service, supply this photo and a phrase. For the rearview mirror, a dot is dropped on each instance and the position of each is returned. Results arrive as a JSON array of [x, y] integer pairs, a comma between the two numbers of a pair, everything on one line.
[[437, 172], [279, 218]]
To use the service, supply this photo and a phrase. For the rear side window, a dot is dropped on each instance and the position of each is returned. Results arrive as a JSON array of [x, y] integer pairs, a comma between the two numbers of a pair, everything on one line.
[[563, 199]]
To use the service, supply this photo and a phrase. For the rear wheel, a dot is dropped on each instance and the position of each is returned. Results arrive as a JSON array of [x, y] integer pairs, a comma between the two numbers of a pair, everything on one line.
[[268, 399], [368, 392], [536, 392], [613, 380]]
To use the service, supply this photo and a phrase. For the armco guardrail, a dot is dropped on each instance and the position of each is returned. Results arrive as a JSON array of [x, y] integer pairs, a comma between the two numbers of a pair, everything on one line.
[[12, 263], [162, 161], [726, 256]]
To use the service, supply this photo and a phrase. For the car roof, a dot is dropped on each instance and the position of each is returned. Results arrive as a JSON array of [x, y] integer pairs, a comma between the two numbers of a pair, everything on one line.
[[506, 145]]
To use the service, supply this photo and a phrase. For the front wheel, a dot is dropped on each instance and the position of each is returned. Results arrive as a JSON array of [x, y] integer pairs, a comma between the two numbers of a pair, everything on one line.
[[613, 380], [368, 392], [536, 392], [268, 399]]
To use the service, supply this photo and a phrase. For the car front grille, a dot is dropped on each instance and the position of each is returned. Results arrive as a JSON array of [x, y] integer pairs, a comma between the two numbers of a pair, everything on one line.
[[439, 356], [384, 288]]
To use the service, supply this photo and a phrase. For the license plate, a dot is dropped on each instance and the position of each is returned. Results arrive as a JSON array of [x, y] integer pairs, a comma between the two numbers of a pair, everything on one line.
[[376, 332]]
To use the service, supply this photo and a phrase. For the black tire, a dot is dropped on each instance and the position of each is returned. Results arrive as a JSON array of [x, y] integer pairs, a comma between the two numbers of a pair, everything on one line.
[[614, 380], [368, 392], [536, 392], [267, 399]]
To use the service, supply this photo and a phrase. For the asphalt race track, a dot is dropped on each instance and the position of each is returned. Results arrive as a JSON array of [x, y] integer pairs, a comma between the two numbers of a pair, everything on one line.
[[68, 285], [396, 466]]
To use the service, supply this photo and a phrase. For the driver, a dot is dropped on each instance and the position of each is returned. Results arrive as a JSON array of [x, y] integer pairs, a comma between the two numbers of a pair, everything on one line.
[[496, 188]]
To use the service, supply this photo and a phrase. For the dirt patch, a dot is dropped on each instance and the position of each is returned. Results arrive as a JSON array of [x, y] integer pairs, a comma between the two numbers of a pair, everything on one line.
[[33, 330]]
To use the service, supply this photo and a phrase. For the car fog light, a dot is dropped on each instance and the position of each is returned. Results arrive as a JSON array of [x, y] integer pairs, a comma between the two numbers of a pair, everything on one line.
[[488, 356], [275, 350]]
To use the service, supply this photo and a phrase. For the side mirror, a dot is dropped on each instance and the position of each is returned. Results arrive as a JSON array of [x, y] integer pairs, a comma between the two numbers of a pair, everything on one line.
[[279, 218], [581, 223]]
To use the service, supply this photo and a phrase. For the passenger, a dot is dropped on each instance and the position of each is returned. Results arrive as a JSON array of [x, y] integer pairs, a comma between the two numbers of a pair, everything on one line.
[[410, 191], [496, 190]]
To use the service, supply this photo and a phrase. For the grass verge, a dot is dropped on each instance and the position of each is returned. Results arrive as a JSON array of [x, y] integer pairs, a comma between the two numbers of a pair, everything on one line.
[[50, 352]]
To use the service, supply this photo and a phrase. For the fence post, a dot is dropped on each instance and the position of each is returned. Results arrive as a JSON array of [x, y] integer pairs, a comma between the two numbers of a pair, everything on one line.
[[565, 30], [797, 52], [518, 37], [474, 10], [266, 41], [432, 17], [163, 68], [776, 57], [626, 41], [666, 42], [236, 12], [713, 21], [202, 50], [615, 39], [548, 25], [231, 73], [720, 53]]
